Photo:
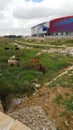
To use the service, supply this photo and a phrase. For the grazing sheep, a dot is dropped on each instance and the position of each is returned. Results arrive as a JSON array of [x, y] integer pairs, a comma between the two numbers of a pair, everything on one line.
[[41, 40], [6, 48], [41, 68], [17, 48], [35, 60], [13, 62]]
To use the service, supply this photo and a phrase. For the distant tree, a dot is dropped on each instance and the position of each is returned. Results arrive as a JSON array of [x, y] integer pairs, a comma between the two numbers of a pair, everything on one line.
[[13, 36]]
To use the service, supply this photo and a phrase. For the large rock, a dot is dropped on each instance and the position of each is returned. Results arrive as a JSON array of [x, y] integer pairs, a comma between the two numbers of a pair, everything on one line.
[[11, 102]]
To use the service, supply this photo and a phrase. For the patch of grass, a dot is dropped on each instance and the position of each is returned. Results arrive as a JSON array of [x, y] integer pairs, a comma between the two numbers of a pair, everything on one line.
[[59, 99], [67, 94], [69, 104], [53, 64], [42, 94], [65, 81], [13, 77], [50, 41], [63, 113]]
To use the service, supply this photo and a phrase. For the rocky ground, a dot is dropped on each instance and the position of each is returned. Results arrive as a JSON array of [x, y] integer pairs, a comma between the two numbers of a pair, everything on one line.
[[34, 117]]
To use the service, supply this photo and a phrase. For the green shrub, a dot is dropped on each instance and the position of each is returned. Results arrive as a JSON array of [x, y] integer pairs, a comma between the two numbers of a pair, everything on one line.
[[4, 90], [27, 87]]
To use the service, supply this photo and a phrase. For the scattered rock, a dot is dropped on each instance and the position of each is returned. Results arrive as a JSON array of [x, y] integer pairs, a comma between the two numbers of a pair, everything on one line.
[[58, 90], [69, 74], [34, 117], [66, 123], [36, 85]]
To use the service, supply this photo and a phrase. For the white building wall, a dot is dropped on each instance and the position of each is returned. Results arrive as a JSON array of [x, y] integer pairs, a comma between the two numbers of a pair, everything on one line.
[[40, 29]]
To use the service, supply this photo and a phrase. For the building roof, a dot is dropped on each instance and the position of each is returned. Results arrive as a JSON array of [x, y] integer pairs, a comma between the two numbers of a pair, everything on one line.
[[39, 24], [61, 18]]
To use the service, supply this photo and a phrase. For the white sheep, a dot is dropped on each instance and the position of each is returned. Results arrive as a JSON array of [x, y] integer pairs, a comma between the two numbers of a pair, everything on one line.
[[13, 62]]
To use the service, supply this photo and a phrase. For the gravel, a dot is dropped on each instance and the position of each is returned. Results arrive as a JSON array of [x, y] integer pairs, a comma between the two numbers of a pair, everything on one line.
[[34, 117]]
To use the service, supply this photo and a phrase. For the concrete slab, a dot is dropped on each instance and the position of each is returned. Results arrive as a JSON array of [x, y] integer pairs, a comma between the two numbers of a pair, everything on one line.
[[19, 126], [7, 123]]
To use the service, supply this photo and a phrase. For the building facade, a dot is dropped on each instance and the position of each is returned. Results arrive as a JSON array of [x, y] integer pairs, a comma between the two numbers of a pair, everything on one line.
[[62, 26], [58, 26], [40, 29]]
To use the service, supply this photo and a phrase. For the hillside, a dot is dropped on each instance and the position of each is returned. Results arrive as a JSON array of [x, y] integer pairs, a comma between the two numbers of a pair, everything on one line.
[[43, 74]]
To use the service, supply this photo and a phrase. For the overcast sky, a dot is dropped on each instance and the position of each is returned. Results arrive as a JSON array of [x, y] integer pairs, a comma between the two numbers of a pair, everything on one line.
[[18, 16]]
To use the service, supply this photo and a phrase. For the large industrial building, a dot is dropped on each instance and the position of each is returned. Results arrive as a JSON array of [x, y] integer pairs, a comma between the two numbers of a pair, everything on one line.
[[59, 26]]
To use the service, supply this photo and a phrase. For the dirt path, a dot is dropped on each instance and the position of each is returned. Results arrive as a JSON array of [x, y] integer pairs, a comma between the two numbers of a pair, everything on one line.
[[43, 45], [53, 48], [65, 72]]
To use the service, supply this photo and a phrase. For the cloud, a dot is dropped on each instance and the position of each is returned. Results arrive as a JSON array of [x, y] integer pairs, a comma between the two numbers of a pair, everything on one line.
[[15, 31], [30, 13], [34, 0], [1, 15], [4, 4], [59, 8], [18, 16]]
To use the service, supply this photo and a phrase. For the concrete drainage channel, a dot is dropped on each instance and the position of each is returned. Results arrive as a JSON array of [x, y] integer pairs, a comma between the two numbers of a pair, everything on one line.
[[27, 118], [7, 123]]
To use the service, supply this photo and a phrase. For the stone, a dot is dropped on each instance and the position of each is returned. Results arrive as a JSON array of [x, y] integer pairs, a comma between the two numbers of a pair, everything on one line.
[[66, 123], [11, 102], [34, 117]]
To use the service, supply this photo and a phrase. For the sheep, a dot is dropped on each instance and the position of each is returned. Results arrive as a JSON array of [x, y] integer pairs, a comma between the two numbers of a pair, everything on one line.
[[35, 60], [41, 40], [41, 68], [17, 48], [13, 62], [6, 48]]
